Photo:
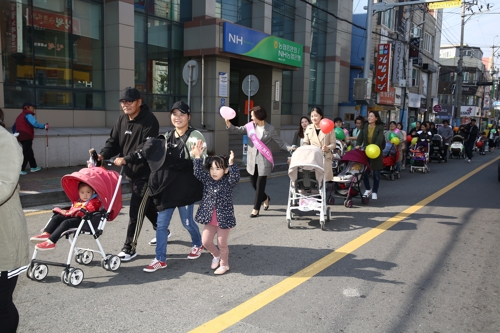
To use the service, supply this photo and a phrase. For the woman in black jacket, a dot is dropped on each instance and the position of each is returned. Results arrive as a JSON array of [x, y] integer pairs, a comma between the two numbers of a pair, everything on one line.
[[372, 132]]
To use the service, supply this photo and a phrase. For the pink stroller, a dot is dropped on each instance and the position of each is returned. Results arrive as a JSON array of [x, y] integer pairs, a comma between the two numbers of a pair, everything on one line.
[[107, 184]]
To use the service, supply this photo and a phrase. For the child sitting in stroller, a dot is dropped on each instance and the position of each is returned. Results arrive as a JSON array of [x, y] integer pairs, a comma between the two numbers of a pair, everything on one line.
[[66, 219]]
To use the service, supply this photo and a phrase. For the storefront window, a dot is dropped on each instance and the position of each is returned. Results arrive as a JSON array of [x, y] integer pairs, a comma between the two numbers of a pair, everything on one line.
[[52, 52], [236, 11], [283, 19]]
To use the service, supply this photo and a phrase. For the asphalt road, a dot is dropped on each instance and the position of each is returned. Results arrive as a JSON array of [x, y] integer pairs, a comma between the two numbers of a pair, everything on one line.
[[422, 258]]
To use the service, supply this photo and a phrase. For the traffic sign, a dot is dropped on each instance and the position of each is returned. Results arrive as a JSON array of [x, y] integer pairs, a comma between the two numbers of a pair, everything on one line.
[[250, 85]]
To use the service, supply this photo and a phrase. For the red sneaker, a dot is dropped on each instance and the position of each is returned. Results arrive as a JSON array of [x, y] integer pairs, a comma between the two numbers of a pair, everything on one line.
[[195, 252], [154, 266], [40, 238], [45, 246]]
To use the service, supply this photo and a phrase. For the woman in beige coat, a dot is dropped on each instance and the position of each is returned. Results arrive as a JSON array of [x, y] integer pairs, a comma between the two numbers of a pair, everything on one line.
[[13, 229], [314, 136]]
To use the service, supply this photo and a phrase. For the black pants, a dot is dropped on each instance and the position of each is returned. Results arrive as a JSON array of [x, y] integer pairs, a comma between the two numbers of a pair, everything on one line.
[[469, 145], [259, 184], [140, 205], [9, 317], [29, 156], [59, 224]]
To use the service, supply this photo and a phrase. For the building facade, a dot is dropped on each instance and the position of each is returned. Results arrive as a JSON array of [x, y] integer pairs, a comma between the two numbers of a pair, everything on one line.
[[72, 59]]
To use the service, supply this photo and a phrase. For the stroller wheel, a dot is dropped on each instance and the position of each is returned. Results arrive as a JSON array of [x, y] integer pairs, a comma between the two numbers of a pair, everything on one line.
[[114, 263], [64, 277], [365, 200], [87, 257], [289, 223], [327, 214], [75, 276], [40, 271], [323, 227], [29, 272], [331, 201], [348, 204]]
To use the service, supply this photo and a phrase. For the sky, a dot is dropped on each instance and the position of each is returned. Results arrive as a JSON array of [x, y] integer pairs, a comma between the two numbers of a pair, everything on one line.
[[479, 29]]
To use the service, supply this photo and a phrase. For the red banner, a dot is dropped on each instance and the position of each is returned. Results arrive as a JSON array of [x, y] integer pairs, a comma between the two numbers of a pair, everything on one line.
[[382, 71], [387, 97], [52, 21]]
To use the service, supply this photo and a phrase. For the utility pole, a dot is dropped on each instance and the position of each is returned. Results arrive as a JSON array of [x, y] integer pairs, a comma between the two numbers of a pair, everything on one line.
[[458, 91], [493, 72]]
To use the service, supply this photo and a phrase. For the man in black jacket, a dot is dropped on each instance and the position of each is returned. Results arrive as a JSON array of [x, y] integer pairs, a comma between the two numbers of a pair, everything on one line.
[[470, 132], [128, 135]]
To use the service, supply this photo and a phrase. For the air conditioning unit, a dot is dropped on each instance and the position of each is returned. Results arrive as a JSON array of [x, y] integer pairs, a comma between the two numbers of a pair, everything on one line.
[[362, 90]]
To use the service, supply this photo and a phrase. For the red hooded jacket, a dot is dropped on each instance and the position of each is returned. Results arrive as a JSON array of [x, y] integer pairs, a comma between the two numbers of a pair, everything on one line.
[[23, 127]]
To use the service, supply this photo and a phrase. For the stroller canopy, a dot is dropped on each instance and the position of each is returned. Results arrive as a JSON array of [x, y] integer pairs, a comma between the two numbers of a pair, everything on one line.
[[358, 156], [308, 158], [103, 181]]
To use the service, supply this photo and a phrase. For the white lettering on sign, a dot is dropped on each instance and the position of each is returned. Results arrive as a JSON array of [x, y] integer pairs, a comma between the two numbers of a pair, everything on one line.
[[235, 39]]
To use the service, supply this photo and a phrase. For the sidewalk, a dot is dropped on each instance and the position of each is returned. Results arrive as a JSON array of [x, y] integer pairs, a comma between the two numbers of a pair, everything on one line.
[[44, 187]]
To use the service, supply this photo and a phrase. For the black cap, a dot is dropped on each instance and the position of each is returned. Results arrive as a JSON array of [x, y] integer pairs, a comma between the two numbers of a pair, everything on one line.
[[337, 119], [473, 119], [28, 104], [181, 106], [130, 94]]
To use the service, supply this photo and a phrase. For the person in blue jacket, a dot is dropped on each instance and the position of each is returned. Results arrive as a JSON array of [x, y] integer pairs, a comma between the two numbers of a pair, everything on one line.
[[25, 127]]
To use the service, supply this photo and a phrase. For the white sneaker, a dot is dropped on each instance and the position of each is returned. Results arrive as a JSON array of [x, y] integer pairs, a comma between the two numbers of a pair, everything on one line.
[[374, 196], [367, 193], [468, 160], [153, 241]]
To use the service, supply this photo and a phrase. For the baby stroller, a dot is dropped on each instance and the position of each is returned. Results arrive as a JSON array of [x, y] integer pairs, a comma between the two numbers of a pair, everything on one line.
[[420, 157], [438, 149], [390, 159], [338, 152], [307, 184], [347, 184], [457, 148], [107, 184]]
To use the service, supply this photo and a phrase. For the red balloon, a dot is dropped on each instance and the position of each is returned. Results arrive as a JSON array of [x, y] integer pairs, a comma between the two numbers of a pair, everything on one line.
[[479, 143], [408, 138], [326, 125]]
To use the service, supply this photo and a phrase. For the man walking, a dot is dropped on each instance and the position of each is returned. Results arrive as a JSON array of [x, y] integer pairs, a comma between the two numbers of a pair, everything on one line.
[[128, 135], [470, 132], [447, 134], [24, 126]]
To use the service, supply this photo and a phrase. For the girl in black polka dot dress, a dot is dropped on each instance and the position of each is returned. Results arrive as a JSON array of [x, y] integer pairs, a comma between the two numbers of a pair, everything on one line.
[[216, 209]]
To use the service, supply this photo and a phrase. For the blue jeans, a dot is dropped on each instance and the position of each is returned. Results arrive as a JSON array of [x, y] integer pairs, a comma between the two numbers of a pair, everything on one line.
[[376, 180], [164, 217]]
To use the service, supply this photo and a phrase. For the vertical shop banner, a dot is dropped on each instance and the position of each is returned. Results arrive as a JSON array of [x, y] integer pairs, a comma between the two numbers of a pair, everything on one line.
[[398, 65], [223, 83], [16, 27], [382, 71]]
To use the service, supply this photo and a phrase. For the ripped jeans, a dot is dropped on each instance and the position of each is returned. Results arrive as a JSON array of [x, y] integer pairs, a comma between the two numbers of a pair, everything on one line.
[[164, 217]]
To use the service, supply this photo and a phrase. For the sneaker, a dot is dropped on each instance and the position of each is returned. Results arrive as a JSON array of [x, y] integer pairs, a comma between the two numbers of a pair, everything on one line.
[[40, 238], [23, 173], [35, 169], [154, 266], [374, 196], [221, 270], [468, 160], [195, 252], [367, 193], [153, 241], [45, 246], [127, 254], [215, 262]]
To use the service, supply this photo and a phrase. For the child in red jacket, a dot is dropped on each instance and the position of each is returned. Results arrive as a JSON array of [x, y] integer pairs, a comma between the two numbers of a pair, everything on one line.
[[66, 219]]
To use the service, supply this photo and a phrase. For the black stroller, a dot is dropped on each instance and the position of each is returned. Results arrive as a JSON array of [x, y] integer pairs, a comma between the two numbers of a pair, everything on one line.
[[438, 149]]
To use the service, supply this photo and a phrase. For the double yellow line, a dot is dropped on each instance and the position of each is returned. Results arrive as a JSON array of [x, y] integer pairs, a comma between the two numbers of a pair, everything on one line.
[[257, 302]]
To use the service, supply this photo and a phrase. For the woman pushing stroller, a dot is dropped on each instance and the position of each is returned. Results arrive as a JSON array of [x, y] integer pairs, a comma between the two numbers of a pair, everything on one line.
[[66, 219]]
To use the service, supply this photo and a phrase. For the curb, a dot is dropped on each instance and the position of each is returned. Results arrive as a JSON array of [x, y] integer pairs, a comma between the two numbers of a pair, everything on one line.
[[48, 197]]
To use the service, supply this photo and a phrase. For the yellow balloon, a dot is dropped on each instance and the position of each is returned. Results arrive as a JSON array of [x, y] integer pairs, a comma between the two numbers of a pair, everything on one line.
[[372, 151], [395, 141], [490, 125], [414, 141]]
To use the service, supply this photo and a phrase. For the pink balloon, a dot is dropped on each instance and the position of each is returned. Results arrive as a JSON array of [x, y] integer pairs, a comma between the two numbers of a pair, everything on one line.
[[227, 113], [326, 125], [396, 131], [346, 132]]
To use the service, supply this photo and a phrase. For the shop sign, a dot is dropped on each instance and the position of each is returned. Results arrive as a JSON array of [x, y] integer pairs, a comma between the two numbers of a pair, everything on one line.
[[413, 100], [398, 67], [383, 67], [469, 90], [469, 111], [444, 111], [397, 96], [15, 28], [43, 20], [256, 44], [423, 102], [387, 97]]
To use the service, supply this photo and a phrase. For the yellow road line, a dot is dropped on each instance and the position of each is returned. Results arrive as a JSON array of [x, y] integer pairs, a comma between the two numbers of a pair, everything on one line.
[[257, 302]]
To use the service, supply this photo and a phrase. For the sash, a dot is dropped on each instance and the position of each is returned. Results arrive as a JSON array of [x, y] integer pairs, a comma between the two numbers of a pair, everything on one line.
[[261, 147]]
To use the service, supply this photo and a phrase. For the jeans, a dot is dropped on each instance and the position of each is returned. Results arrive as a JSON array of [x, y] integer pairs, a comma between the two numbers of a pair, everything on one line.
[[164, 217], [376, 180]]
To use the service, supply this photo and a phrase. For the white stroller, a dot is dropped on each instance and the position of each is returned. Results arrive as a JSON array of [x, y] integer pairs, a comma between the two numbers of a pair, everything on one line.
[[107, 184], [307, 190]]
